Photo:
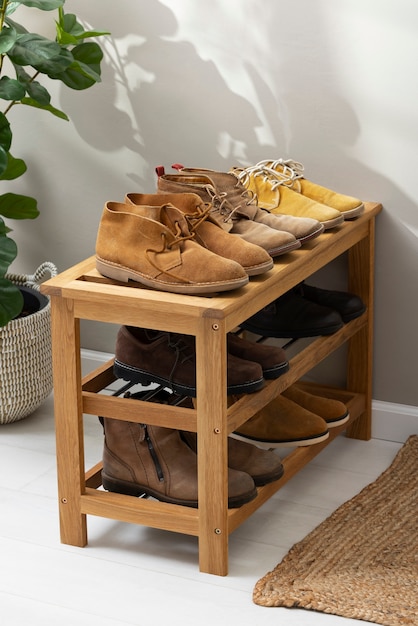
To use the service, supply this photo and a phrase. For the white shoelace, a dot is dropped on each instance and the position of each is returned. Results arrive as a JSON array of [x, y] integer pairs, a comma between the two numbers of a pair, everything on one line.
[[277, 172]]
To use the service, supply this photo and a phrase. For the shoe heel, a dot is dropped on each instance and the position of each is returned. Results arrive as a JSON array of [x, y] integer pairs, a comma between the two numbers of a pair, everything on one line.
[[112, 271]]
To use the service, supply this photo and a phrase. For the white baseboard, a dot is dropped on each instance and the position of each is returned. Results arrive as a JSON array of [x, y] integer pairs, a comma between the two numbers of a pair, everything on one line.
[[390, 421], [393, 422]]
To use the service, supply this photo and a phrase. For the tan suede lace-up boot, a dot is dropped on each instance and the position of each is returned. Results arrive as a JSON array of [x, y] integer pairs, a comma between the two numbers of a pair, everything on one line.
[[233, 213], [208, 233], [154, 246], [303, 228]]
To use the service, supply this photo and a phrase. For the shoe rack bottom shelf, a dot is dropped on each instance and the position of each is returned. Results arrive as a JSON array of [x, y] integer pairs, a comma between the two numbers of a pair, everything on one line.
[[181, 519]]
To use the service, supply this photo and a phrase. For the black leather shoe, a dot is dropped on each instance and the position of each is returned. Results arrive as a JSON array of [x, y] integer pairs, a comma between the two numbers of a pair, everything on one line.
[[348, 305], [294, 316]]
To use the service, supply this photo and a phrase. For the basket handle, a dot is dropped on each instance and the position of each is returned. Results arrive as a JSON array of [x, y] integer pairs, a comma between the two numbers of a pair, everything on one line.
[[34, 280]]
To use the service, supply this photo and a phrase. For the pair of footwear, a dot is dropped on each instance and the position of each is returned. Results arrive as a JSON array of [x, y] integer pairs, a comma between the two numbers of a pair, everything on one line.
[[169, 359], [280, 187], [294, 418], [235, 209], [162, 462], [306, 311], [171, 243]]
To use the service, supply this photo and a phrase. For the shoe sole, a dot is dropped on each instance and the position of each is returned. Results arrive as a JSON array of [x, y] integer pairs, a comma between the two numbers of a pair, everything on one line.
[[294, 443], [332, 423], [353, 213], [337, 221], [276, 372], [312, 235], [136, 375], [125, 274], [132, 489], [289, 247], [255, 270]]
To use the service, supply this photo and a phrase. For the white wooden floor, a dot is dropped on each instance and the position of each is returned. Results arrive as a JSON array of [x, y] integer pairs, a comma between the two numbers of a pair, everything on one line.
[[134, 575]]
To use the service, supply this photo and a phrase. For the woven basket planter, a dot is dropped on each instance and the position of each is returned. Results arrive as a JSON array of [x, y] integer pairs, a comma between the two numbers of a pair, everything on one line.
[[25, 352]]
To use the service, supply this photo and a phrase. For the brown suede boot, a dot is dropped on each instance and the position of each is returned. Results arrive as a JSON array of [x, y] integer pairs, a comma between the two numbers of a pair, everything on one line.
[[232, 213], [254, 259], [271, 358], [154, 246], [303, 228], [332, 411], [169, 359], [282, 423], [140, 459], [264, 466]]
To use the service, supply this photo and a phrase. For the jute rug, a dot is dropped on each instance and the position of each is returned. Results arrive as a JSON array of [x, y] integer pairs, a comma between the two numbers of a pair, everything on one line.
[[361, 562]]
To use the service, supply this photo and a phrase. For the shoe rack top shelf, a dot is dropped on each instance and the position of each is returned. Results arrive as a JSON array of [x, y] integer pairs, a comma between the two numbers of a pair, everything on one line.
[[95, 296]]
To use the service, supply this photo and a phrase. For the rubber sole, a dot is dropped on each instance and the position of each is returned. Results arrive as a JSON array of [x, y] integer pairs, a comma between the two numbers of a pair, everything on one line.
[[290, 334], [136, 375], [293, 443], [115, 485], [125, 274]]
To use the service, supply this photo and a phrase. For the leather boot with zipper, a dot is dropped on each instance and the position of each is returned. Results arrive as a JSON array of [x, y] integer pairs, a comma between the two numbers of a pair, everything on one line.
[[141, 459]]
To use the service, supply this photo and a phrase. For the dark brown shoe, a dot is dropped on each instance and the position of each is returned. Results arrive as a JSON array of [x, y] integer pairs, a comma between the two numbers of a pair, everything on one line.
[[272, 359], [169, 359]]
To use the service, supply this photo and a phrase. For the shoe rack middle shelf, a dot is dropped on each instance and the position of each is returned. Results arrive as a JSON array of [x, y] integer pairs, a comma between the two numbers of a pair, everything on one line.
[[82, 293]]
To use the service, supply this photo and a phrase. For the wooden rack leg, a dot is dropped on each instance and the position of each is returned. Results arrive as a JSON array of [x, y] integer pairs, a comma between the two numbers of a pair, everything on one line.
[[360, 347], [68, 420], [212, 448]]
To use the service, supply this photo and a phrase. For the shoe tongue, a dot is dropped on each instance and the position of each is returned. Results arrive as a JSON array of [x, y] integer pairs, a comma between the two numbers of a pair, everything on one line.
[[170, 216]]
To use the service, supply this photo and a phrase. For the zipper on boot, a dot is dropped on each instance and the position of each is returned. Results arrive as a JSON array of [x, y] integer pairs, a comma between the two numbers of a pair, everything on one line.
[[153, 454]]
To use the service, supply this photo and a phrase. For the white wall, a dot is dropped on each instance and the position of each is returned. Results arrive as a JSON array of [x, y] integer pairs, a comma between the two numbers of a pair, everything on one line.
[[215, 84]]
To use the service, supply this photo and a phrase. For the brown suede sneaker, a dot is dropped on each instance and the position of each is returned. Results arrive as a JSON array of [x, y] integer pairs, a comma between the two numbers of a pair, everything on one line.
[[169, 359], [332, 411], [208, 233], [154, 246], [282, 423]]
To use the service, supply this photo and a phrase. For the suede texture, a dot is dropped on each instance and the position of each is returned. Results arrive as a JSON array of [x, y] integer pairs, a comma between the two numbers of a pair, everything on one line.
[[272, 359], [168, 358], [332, 411], [169, 474], [264, 466], [277, 197], [160, 252], [208, 233], [303, 228], [233, 212], [283, 423]]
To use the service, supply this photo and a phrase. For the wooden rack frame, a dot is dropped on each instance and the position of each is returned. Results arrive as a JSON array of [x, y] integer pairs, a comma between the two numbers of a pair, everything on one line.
[[82, 293]]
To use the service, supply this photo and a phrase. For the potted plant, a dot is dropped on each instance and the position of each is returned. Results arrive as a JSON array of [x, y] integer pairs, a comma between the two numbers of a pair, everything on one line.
[[74, 60]]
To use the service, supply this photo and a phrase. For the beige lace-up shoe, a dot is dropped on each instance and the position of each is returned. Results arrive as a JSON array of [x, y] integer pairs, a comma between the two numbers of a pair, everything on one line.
[[254, 259], [153, 246], [234, 213], [303, 228]]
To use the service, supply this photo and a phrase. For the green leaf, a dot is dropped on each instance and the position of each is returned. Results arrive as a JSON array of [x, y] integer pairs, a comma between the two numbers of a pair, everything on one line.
[[15, 168], [3, 160], [5, 133], [33, 49], [38, 92], [11, 301], [11, 89], [45, 107], [8, 250], [55, 65], [18, 207], [7, 39], [85, 69], [43, 5], [70, 31]]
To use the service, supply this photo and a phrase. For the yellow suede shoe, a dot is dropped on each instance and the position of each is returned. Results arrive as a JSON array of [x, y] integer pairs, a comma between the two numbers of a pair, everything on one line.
[[293, 172], [274, 193]]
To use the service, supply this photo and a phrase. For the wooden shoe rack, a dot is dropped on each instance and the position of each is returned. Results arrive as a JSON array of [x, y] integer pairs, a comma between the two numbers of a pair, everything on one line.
[[82, 293]]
